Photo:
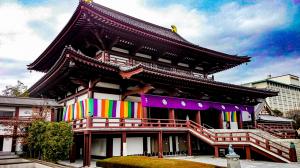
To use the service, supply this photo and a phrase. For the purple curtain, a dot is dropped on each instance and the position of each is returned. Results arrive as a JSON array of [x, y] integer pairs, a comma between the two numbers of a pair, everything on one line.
[[190, 104]]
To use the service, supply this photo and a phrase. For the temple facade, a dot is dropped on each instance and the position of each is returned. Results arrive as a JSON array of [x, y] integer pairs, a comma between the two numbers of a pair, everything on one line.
[[129, 87]]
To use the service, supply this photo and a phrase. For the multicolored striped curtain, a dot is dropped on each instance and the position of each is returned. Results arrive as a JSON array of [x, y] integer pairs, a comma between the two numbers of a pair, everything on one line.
[[102, 108], [230, 116]]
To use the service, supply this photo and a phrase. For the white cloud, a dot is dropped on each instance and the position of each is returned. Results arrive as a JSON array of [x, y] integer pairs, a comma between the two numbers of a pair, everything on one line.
[[271, 66]]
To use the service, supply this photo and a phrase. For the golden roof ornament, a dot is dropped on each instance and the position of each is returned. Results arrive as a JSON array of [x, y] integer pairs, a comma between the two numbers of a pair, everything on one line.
[[88, 1], [174, 28]]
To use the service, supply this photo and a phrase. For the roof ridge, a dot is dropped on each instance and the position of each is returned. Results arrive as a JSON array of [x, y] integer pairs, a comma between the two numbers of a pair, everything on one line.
[[136, 19]]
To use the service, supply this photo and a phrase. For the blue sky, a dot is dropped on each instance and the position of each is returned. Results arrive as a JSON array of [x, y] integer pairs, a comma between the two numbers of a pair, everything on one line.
[[266, 30]]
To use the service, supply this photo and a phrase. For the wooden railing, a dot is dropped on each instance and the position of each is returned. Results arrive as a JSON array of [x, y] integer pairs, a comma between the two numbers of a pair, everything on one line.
[[216, 138], [283, 131]]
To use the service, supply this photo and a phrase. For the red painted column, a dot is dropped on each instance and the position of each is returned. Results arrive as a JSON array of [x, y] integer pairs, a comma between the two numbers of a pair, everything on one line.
[[189, 144], [171, 115], [198, 117], [52, 115], [248, 153], [87, 148], [220, 120], [145, 115], [73, 151], [160, 145], [90, 89], [216, 151], [123, 145], [241, 121], [15, 131]]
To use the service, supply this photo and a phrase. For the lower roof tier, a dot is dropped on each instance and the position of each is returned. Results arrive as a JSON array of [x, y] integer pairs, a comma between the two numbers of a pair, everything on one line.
[[74, 69]]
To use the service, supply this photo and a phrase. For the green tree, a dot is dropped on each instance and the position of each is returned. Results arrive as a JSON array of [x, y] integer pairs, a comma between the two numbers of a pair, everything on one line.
[[19, 90], [277, 112], [35, 138], [57, 141]]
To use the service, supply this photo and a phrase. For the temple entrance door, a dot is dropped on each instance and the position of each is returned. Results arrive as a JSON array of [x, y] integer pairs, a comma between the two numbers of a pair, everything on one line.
[[158, 113], [210, 118], [181, 114]]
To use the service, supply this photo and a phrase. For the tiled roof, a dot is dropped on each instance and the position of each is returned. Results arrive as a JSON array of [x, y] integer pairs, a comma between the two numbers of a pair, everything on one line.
[[140, 24], [27, 101]]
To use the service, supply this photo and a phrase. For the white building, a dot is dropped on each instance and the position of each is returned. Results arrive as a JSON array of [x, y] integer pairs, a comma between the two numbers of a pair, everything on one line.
[[288, 87], [20, 110]]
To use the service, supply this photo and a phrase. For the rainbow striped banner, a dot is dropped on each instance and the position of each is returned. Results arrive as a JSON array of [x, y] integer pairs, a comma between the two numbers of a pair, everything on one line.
[[230, 116], [102, 108], [226, 116], [233, 116]]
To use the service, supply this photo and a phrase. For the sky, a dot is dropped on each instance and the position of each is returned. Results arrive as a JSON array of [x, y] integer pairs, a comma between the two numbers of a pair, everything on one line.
[[266, 30]]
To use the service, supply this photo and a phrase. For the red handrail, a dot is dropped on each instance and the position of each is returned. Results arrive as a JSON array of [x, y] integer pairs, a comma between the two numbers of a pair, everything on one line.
[[215, 137]]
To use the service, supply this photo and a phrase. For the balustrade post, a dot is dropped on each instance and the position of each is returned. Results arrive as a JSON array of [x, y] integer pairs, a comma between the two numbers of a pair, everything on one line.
[[247, 137], [292, 152], [158, 123], [267, 144], [106, 122], [74, 124], [188, 123], [88, 122]]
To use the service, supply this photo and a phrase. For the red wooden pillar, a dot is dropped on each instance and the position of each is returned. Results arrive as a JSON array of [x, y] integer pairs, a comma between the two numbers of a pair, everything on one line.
[[216, 151], [145, 113], [160, 144], [87, 148], [198, 117], [248, 153], [171, 115], [90, 89], [123, 144], [15, 131], [241, 120], [220, 120], [189, 144], [253, 119], [52, 115], [73, 151]]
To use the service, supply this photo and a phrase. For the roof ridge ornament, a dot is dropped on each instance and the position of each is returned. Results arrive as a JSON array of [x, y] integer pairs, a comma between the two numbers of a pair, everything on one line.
[[87, 1], [174, 28]]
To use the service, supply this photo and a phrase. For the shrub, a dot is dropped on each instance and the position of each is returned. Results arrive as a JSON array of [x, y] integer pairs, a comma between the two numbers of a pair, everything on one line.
[[147, 162], [52, 140]]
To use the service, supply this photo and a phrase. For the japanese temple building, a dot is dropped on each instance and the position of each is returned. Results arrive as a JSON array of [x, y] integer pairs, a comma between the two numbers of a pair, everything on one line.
[[130, 87]]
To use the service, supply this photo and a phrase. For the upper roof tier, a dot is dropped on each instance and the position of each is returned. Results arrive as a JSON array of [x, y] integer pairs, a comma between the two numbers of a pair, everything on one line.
[[94, 28]]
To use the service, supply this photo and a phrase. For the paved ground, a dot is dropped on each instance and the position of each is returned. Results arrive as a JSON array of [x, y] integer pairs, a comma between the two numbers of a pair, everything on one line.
[[244, 163]]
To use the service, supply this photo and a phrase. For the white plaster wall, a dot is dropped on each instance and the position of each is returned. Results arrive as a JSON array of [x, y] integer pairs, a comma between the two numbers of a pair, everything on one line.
[[133, 99], [148, 144], [82, 97], [25, 112], [18, 145], [12, 109], [72, 101], [116, 146], [108, 85], [98, 146], [134, 145], [7, 143], [107, 96]]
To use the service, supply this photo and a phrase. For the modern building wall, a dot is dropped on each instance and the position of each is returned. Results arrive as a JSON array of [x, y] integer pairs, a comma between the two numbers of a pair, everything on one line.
[[288, 88]]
